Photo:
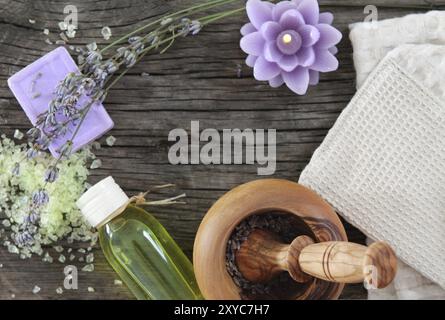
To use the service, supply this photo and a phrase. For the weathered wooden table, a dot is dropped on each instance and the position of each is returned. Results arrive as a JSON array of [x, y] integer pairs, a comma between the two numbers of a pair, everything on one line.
[[197, 79]]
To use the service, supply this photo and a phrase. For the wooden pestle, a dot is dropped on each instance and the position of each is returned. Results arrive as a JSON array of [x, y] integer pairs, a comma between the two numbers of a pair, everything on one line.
[[262, 256]]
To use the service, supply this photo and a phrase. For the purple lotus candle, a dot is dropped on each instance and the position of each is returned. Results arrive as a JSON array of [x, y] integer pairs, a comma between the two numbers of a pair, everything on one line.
[[289, 42], [34, 88]]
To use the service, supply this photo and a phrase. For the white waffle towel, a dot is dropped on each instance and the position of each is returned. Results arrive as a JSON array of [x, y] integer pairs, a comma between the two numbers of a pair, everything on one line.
[[382, 165], [371, 42]]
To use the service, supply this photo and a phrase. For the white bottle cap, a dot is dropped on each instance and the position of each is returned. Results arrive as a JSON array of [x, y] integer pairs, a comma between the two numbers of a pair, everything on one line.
[[103, 199]]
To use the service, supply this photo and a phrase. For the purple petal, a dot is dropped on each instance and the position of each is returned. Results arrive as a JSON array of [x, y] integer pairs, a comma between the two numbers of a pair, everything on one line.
[[276, 82], [269, 4], [297, 80], [288, 63], [250, 60], [247, 28], [270, 30], [329, 36], [258, 12], [271, 52], [309, 35], [324, 61], [253, 43], [333, 50], [326, 17], [282, 7], [265, 70], [314, 77], [291, 20], [310, 11], [306, 56]]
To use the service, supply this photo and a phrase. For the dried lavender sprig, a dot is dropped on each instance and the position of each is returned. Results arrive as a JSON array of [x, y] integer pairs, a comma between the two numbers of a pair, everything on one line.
[[165, 21], [131, 57], [16, 169], [51, 174], [33, 217], [23, 238], [40, 198], [66, 148], [69, 91]]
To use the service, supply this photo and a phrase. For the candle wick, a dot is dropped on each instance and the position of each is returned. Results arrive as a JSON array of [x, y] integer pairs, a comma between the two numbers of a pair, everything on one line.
[[287, 38]]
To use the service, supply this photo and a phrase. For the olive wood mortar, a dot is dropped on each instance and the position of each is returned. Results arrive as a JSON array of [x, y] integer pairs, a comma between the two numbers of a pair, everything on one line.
[[326, 261]]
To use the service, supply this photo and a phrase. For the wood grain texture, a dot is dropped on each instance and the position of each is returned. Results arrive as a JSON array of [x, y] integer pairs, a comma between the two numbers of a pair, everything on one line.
[[316, 219], [348, 262], [195, 80], [262, 256], [380, 265]]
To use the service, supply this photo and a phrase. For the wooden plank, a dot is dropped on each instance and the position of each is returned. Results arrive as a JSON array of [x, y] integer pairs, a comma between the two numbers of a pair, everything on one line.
[[195, 80]]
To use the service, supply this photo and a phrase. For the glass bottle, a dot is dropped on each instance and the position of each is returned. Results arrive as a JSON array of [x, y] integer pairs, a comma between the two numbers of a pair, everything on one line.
[[137, 246]]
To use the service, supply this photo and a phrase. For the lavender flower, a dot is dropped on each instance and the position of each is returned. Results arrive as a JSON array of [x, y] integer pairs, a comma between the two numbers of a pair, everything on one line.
[[60, 128], [195, 27], [190, 27], [65, 150], [43, 142], [16, 169], [32, 152], [93, 57], [33, 133], [40, 198], [33, 217], [23, 238], [51, 174], [50, 119]]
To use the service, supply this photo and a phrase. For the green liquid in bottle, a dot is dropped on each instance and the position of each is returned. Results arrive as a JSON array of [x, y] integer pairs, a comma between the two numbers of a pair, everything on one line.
[[146, 258]]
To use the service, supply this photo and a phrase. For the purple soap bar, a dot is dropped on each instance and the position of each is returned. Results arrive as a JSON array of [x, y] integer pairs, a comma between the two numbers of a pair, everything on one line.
[[34, 88]]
